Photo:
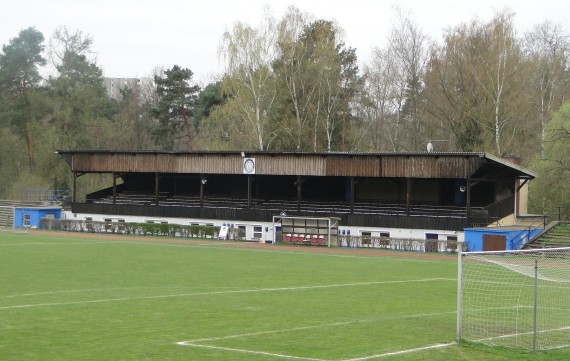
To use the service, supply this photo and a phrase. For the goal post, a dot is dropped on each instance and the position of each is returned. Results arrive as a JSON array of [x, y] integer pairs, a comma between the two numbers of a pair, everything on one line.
[[515, 298]]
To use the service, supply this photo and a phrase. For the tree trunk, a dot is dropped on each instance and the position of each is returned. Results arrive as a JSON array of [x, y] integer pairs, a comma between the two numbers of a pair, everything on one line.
[[497, 129], [29, 145], [188, 127]]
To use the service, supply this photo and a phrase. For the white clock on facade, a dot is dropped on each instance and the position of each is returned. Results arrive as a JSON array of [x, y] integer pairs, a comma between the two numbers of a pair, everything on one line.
[[249, 166]]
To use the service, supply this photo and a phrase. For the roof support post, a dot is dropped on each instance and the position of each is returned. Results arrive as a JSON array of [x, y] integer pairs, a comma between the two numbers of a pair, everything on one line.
[[352, 182], [399, 191], [248, 191], [114, 188], [468, 184], [408, 195], [202, 184], [518, 186], [468, 198], [74, 186], [299, 189], [156, 187]]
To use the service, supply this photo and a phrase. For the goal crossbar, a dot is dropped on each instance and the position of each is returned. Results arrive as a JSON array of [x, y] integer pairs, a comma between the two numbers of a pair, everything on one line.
[[519, 251]]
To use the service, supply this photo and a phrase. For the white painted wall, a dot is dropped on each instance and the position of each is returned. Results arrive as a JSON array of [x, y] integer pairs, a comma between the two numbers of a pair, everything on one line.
[[267, 227], [403, 233]]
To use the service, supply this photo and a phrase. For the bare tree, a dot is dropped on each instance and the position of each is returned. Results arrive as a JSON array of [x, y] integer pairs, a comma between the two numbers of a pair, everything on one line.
[[547, 49], [408, 44], [378, 108], [65, 41], [497, 67], [250, 83], [452, 95], [294, 71], [475, 85], [335, 80]]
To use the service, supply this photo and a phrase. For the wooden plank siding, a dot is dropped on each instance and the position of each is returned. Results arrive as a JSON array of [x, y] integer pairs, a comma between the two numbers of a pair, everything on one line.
[[429, 167], [288, 164], [353, 165], [156, 162], [413, 165]]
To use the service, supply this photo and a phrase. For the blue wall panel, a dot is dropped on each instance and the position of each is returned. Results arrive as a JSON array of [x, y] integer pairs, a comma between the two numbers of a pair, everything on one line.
[[515, 238], [35, 214]]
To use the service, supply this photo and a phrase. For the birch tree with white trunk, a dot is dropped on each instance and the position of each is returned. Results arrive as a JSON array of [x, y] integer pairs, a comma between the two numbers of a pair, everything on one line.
[[249, 82]]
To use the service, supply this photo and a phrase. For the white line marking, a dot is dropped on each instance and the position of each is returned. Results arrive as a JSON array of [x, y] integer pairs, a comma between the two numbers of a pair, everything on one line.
[[255, 352], [216, 245], [566, 328], [384, 256], [300, 328], [341, 323], [363, 358], [194, 343], [89, 290], [43, 243], [395, 353], [296, 288]]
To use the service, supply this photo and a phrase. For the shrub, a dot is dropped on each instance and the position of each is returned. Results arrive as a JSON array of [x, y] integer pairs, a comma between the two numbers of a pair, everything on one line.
[[143, 229]]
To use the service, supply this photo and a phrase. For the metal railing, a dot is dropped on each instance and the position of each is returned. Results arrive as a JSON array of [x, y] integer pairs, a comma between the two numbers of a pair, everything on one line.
[[400, 244], [261, 215], [44, 195]]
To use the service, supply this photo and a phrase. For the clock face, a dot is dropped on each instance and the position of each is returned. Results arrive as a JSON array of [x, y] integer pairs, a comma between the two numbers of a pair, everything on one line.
[[249, 166]]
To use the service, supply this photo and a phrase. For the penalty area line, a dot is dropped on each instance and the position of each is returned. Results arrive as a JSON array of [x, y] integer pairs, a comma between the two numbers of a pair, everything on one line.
[[310, 327], [402, 352], [214, 293], [291, 357], [199, 342], [251, 352], [565, 328]]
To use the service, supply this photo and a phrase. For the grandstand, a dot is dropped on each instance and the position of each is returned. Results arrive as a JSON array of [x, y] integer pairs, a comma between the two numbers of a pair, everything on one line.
[[411, 195]]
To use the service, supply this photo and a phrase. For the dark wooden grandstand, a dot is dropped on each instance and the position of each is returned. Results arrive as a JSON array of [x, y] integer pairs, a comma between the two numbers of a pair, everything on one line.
[[447, 191]]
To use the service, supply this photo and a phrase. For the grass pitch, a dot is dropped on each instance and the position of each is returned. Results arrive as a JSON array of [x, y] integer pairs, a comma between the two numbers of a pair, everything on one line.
[[65, 298]]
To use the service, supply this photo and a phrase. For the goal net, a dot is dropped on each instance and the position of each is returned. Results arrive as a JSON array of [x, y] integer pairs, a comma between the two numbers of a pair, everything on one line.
[[515, 298]]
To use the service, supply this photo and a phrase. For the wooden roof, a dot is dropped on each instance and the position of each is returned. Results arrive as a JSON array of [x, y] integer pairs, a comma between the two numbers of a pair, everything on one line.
[[413, 165]]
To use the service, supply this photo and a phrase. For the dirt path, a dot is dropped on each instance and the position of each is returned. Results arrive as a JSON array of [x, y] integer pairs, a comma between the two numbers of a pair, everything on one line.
[[372, 252]]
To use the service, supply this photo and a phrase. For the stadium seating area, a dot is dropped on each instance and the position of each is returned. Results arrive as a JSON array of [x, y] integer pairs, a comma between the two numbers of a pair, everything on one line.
[[289, 206], [308, 239]]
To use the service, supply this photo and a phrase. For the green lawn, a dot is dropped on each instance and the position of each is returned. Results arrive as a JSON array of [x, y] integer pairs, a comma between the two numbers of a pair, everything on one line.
[[82, 299]]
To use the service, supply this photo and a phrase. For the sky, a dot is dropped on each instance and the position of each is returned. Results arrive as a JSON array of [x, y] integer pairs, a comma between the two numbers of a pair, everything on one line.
[[133, 37]]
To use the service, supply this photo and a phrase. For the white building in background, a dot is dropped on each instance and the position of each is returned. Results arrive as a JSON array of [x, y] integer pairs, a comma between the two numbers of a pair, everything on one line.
[[115, 85]]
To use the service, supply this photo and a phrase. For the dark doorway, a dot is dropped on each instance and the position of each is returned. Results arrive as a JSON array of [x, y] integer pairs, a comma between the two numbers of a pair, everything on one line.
[[432, 243]]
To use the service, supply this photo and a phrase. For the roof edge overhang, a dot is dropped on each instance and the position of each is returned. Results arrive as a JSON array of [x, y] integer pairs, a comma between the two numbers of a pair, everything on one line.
[[257, 152], [522, 172], [519, 171]]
